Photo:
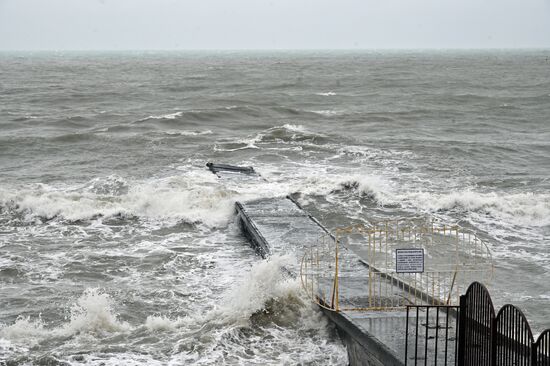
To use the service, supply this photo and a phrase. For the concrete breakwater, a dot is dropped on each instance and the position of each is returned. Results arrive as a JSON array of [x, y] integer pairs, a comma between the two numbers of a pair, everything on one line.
[[280, 226]]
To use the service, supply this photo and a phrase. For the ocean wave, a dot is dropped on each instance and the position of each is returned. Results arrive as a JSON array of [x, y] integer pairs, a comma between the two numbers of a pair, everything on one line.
[[326, 94], [529, 209], [189, 133], [192, 197], [284, 133], [266, 285], [265, 303], [163, 116], [267, 291], [368, 153], [369, 186], [292, 128], [205, 115], [109, 185], [24, 118], [525, 209], [327, 112], [266, 280], [92, 313], [290, 132]]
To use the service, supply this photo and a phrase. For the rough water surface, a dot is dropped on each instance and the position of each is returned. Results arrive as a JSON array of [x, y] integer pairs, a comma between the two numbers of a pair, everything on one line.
[[117, 246]]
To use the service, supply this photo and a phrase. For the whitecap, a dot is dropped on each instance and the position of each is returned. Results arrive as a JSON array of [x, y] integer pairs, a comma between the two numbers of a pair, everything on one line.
[[326, 112], [163, 116], [371, 186], [189, 133], [92, 314], [528, 209], [266, 280], [292, 128], [159, 323], [326, 94], [193, 196]]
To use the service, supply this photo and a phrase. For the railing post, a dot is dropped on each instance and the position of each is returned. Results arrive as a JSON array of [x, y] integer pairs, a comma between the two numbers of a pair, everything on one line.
[[461, 330], [494, 341], [335, 290], [534, 360], [407, 337]]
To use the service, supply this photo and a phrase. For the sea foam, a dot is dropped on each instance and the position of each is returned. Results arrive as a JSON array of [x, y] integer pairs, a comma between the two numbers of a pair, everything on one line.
[[531, 209]]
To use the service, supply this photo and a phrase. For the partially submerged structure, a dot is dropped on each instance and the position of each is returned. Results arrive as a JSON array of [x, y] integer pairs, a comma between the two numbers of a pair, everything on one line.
[[395, 290]]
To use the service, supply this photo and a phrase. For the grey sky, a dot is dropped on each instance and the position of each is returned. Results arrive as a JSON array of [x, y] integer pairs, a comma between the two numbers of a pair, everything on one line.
[[272, 24]]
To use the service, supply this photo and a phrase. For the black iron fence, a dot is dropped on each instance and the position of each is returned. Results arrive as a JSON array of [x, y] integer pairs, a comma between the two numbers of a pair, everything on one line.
[[431, 335], [541, 349], [473, 334]]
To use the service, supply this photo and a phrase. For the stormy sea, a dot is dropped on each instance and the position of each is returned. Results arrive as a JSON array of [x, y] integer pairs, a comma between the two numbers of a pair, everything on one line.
[[119, 247]]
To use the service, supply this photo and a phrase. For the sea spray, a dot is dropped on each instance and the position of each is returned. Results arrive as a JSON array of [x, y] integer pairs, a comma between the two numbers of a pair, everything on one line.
[[93, 313], [266, 280], [267, 285]]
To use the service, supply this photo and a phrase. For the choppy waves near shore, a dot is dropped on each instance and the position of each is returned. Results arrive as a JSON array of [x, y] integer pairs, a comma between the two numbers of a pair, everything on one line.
[[118, 246]]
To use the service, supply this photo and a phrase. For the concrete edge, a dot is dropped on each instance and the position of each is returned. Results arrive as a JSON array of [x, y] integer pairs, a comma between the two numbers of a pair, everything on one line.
[[252, 233]]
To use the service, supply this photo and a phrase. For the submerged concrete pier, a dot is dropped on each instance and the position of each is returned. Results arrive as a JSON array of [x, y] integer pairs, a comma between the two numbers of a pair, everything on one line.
[[279, 226]]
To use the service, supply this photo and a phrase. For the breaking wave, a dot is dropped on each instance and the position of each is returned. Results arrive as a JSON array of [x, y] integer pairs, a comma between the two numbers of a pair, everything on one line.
[[326, 94], [529, 209], [369, 186], [327, 112], [163, 116], [267, 280], [266, 299], [93, 313], [192, 197], [285, 134], [189, 133]]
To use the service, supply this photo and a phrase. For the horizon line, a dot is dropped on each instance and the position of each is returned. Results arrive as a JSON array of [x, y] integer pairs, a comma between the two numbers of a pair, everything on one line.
[[539, 48]]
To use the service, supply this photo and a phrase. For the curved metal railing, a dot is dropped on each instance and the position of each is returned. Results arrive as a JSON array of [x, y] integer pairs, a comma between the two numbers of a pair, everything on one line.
[[393, 264]]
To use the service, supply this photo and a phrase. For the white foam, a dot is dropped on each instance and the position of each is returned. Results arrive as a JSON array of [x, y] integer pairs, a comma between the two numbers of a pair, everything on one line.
[[529, 209], [194, 196], [24, 328], [292, 128], [265, 281], [8, 348], [326, 112], [372, 186], [92, 314], [160, 322], [189, 133], [327, 94], [164, 116]]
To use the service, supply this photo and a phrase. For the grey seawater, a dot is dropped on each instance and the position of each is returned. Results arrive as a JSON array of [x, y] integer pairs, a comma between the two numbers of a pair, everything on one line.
[[118, 247]]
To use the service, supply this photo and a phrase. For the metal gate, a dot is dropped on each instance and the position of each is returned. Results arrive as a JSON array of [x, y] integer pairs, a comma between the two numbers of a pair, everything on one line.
[[541, 349], [431, 335], [477, 315]]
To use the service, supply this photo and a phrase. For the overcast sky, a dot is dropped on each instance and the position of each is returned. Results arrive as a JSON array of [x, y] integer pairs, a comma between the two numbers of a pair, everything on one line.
[[272, 24]]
